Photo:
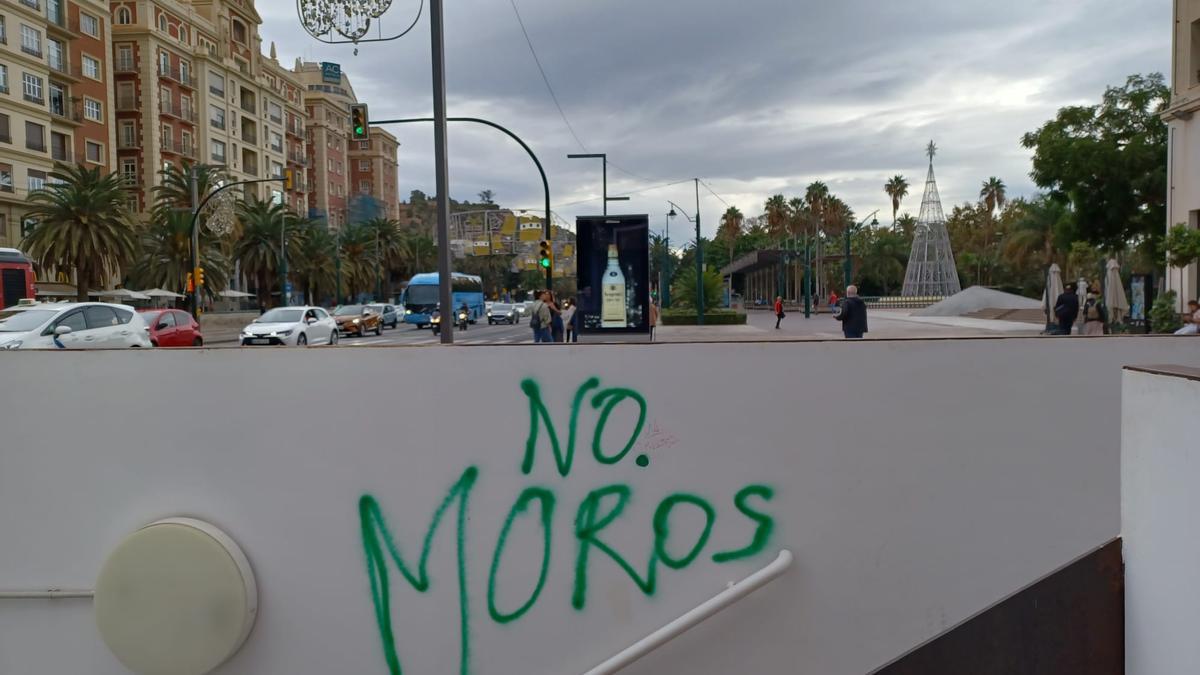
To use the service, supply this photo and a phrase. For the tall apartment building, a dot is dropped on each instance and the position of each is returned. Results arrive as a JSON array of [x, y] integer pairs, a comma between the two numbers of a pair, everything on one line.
[[373, 171], [1183, 141], [342, 171], [192, 85], [55, 97]]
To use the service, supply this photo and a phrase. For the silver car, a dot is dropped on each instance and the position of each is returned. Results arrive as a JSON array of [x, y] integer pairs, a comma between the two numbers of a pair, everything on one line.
[[503, 313], [87, 325]]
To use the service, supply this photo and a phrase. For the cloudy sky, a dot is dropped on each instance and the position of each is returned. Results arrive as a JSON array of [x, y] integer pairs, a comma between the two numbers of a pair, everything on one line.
[[755, 97]]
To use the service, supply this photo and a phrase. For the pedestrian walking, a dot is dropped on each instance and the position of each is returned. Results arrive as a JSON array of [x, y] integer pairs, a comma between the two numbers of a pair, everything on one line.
[[853, 315], [833, 300], [568, 319], [778, 311], [1095, 315], [1066, 310], [556, 322], [653, 318], [539, 318]]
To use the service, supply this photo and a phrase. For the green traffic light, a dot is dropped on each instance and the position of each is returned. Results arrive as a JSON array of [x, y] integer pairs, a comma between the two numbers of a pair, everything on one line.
[[358, 130], [545, 262]]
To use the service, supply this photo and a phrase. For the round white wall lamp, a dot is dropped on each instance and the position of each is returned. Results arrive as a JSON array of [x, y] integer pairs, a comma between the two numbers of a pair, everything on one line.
[[177, 597]]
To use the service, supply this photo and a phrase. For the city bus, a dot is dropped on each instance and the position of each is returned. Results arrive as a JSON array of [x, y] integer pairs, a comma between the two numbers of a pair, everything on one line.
[[17, 281], [420, 298]]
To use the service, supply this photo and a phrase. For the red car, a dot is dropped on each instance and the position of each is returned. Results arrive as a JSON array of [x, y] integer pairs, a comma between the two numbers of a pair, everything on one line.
[[172, 328]]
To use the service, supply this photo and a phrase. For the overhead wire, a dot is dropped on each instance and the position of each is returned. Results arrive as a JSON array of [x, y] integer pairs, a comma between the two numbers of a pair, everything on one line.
[[632, 192], [545, 79]]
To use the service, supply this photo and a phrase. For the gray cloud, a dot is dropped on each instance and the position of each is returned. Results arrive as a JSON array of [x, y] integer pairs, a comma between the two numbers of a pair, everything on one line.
[[754, 96]]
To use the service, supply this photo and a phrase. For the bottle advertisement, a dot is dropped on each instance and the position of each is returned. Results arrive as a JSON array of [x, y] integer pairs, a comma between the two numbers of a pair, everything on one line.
[[614, 273]]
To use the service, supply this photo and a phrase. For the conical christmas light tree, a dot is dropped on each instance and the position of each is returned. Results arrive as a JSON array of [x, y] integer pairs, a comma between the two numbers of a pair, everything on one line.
[[931, 270]]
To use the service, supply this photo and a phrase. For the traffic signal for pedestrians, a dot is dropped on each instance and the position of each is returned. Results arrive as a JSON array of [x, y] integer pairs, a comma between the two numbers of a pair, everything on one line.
[[289, 179], [359, 130], [545, 254], [200, 276], [191, 283]]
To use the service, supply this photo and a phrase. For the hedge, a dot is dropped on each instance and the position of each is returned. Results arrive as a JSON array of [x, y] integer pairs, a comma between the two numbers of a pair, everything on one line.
[[713, 317]]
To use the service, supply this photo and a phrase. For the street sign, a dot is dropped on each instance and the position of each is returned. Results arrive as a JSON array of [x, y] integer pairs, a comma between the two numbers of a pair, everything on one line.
[[331, 72]]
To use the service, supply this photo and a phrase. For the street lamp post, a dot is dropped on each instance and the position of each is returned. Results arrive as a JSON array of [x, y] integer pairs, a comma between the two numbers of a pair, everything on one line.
[[603, 157], [283, 270], [699, 252], [664, 287], [848, 264]]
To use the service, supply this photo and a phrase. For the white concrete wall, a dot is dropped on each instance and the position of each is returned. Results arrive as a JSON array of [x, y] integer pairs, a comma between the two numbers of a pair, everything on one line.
[[1160, 472], [917, 482]]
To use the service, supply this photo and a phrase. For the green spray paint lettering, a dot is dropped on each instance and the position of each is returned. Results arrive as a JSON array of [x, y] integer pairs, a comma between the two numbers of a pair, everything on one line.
[[547, 499], [377, 540], [598, 510]]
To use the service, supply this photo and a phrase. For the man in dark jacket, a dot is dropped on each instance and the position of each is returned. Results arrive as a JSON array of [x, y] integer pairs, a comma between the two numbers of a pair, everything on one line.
[[1066, 309], [853, 315]]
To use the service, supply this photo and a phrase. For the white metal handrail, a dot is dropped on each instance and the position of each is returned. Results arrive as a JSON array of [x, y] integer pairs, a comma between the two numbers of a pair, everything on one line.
[[50, 594], [697, 615]]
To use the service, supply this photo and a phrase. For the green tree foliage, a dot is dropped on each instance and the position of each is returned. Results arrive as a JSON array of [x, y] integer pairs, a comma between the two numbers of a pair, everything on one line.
[[316, 265], [165, 255], [1164, 317], [881, 259], [896, 189], [83, 226], [683, 292], [258, 251], [1108, 162], [1182, 245]]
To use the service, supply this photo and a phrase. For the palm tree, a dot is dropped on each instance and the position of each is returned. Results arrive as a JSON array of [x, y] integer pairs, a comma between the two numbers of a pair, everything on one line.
[[907, 224], [897, 189], [358, 257], [258, 250], [1035, 234], [993, 194], [316, 264], [83, 225], [487, 196], [165, 258], [730, 228], [418, 253], [777, 217], [389, 242]]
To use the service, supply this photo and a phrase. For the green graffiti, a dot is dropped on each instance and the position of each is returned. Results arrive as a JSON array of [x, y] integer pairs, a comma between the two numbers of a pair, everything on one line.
[[547, 500], [376, 538], [538, 413], [662, 530], [762, 533], [610, 398], [587, 526]]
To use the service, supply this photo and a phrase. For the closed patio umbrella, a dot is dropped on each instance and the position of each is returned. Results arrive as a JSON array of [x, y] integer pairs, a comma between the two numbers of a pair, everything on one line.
[[1054, 288], [1114, 293]]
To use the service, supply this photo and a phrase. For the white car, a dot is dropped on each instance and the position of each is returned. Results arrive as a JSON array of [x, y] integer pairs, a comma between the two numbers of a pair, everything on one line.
[[522, 308], [73, 325], [293, 327]]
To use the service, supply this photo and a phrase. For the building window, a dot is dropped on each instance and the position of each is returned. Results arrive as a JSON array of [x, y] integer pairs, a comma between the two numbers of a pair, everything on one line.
[[162, 22], [94, 152], [364, 165], [364, 145], [216, 84], [276, 170], [218, 151], [5, 132], [124, 58], [275, 112], [126, 100], [185, 71], [35, 136], [35, 180], [164, 63], [185, 106], [31, 41], [129, 170], [329, 165], [58, 99], [59, 147], [91, 67], [185, 140], [56, 54], [124, 16], [364, 186], [276, 141], [216, 117], [32, 87], [89, 24], [6, 178], [92, 110], [239, 32], [3, 30], [128, 134], [3, 78]]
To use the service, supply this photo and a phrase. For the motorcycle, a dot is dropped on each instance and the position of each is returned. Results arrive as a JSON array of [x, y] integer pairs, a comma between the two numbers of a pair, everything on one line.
[[462, 320], [435, 322]]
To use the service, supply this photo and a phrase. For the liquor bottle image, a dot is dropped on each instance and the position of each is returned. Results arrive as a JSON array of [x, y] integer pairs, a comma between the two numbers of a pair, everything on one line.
[[612, 299]]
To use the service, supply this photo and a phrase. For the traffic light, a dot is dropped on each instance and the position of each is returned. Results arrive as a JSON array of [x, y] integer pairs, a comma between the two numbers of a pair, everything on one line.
[[191, 283], [289, 179], [200, 276], [545, 254], [359, 130]]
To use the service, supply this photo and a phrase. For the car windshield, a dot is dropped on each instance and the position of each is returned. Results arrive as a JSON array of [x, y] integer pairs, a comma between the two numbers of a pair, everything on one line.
[[24, 320], [501, 308], [377, 308], [279, 315], [348, 310], [422, 295]]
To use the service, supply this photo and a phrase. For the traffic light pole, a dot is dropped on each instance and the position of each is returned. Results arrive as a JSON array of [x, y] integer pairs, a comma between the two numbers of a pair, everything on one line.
[[547, 227], [195, 225]]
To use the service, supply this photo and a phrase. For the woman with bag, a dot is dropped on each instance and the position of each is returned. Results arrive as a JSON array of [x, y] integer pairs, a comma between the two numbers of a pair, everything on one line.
[[778, 311]]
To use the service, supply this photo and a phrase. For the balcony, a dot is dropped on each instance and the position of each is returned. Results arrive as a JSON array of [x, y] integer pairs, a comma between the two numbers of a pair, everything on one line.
[[127, 143], [66, 114], [297, 158], [125, 66], [174, 147], [61, 155], [250, 168], [38, 100], [171, 110], [64, 25], [127, 103], [176, 75], [248, 106], [32, 4], [64, 69], [249, 136]]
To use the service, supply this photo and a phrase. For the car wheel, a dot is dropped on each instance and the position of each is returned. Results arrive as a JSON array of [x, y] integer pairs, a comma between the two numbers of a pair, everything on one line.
[[333, 338], [379, 329], [154, 343], [301, 340], [198, 342]]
